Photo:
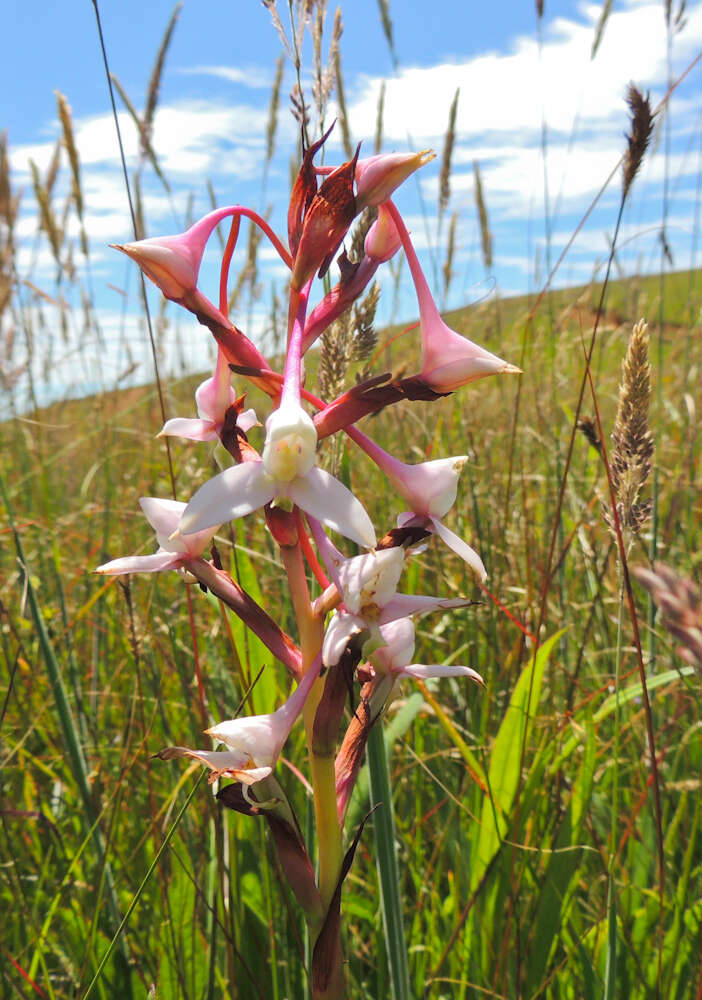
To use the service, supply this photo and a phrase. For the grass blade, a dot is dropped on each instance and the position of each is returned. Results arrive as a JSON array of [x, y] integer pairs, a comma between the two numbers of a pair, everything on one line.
[[388, 870]]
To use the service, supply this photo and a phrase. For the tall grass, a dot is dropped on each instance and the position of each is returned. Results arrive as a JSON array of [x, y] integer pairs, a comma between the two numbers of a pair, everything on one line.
[[511, 879]]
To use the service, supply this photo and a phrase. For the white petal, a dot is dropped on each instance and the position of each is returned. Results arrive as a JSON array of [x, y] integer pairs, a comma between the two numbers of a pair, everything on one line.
[[336, 638], [330, 502], [190, 428], [371, 579], [141, 564], [162, 515], [258, 737], [247, 420], [421, 671], [461, 549], [233, 493], [227, 762], [404, 605]]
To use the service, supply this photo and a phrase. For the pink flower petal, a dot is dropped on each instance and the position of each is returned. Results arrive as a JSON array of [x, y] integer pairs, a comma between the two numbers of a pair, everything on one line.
[[404, 605], [422, 672], [155, 563], [190, 428]]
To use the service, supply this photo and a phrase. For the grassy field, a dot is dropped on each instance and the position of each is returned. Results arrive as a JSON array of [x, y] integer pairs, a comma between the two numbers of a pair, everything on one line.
[[548, 828], [505, 833]]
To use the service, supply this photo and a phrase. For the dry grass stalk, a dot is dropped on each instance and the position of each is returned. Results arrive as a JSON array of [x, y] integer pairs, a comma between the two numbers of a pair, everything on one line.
[[638, 137], [47, 219], [270, 6], [341, 98], [365, 337], [445, 174], [680, 603], [322, 79], [144, 140], [9, 203], [588, 428], [632, 450], [273, 107], [299, 111], [52, 172], [386, 22], [379, 119], [349, 340], [485, 234], [248, 275], [599, 30], [64, 110], [146, 133], [139, 225], [360, 231], [447, 269]]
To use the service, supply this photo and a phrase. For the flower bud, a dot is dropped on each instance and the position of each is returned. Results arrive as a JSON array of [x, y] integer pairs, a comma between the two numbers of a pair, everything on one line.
[[378, 176], [383, 240]]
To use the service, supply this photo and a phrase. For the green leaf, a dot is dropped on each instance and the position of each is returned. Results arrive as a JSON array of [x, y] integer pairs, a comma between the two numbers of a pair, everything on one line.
[[505, 759], [388, 868]]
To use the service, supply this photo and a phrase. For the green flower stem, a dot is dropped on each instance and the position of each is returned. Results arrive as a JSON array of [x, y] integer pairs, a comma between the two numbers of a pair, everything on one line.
[[311, 629]]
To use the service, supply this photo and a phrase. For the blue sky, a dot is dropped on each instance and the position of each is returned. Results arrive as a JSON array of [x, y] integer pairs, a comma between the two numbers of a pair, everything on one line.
[[211, 122]]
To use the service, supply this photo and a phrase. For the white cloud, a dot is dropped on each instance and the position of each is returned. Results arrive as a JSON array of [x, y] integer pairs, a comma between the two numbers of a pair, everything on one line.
[[253, 76], [510, 92]]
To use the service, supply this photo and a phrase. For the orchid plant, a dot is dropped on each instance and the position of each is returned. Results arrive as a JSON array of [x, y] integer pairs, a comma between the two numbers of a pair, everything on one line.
[[356, 639]]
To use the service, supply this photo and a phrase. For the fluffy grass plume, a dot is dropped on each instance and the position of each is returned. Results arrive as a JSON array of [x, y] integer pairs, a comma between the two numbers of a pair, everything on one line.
[[485, 234], [445, 173], [638, 136], [378, 144], [632, 441]]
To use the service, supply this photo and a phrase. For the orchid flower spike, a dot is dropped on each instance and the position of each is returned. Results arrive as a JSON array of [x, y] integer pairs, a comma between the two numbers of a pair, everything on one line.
[[174, 552], [253, 744], [448, 359], [430, 490], [213, 398]]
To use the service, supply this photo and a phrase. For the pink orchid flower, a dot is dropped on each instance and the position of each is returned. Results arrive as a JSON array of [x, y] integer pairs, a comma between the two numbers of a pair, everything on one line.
[[394, 657], [430, 489], [173, 262], [213, 398], [448, 359], [253, 744], [174, 552], [287, 471], [368, 585], [378, 176]]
